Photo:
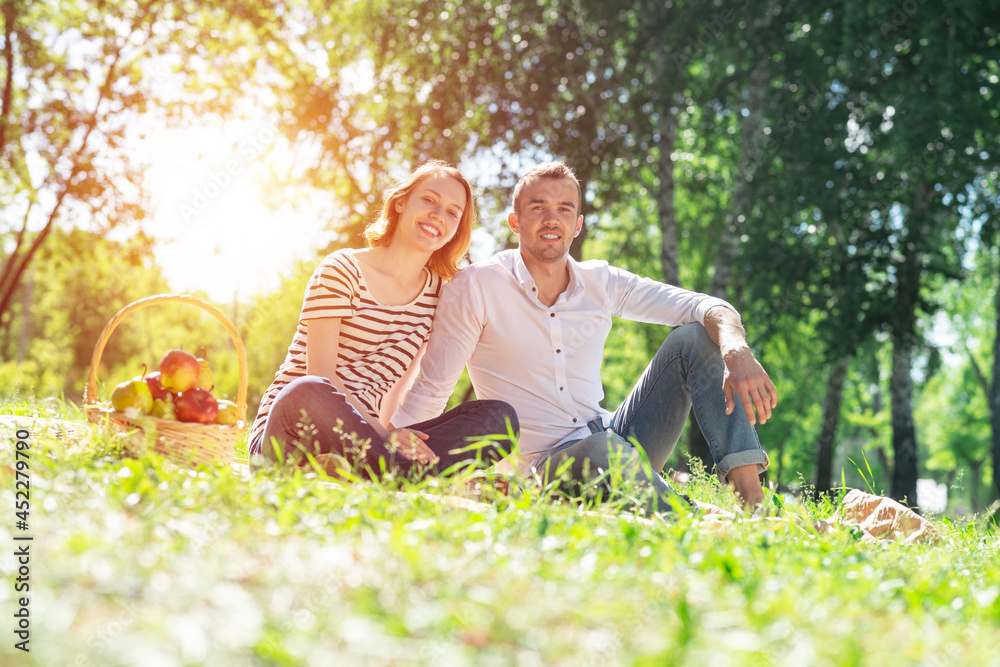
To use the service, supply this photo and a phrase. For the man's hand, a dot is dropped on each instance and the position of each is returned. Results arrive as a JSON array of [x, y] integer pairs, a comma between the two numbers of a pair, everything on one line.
[[410, 444], [746, 378]]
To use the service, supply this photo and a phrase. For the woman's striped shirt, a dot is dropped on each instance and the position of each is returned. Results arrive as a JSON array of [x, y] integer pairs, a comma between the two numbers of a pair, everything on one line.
[[377, 343]]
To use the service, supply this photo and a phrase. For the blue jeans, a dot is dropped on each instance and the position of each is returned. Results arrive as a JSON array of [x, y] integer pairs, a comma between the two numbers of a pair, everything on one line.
[[686, 371], [310, 416]]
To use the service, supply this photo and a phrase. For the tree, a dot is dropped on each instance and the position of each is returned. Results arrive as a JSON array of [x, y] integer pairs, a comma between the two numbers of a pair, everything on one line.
[[76, 74], [986, 207], [888, 160], [78, 283], [929, 148]]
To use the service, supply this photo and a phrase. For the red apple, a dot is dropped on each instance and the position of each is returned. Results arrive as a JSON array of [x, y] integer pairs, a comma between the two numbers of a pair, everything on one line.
[[155, 386], [196, 405], [178, 371]]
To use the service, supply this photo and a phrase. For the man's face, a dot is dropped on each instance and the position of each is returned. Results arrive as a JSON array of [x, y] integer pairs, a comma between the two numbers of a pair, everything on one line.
[[548, 219]]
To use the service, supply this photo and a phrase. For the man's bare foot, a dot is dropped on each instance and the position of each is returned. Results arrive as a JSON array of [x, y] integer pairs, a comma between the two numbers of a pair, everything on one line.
[[745, 483]]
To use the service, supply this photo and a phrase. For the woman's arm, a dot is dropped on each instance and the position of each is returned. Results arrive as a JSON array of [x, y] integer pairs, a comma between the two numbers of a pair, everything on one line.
[[322, 349]]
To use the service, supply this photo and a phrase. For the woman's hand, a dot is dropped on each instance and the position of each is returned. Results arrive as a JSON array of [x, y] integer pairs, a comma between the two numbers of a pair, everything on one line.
[[410, 444]]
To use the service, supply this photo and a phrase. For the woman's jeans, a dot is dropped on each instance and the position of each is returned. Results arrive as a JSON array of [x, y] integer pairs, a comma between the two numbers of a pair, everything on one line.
[[310, 416], [686, 372]]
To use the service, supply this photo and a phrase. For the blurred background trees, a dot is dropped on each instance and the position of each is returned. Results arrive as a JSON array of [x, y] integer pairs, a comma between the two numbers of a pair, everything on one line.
[[830, 169]]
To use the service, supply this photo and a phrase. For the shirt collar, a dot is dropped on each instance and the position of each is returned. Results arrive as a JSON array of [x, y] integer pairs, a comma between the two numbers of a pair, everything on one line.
[[523, 276]]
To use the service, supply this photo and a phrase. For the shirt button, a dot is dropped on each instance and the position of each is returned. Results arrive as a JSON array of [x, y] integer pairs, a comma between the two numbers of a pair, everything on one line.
[[558, 351], [560, 388], [552, 314], [533, 289], [574, 420]]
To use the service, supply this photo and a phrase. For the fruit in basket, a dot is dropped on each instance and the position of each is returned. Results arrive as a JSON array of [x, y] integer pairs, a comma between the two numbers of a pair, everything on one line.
[[155, 386], [178, 371], [196, 405], [132, 396], [229, 413], [204, 380], [163, 408]]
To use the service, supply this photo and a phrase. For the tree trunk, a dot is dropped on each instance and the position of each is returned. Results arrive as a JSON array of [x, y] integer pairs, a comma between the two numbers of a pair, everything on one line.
[[828, 431], [751, 130], [9, 17], [994, 398], [14, 269], [22, 346], [576, 247], [904, 435], [777, 462], [665, 200], [976, 468], [751, 156], [16, 264], [697, 446]]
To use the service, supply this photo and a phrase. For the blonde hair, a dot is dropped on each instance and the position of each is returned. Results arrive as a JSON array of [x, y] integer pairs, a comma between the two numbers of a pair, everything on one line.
[[444, 261]]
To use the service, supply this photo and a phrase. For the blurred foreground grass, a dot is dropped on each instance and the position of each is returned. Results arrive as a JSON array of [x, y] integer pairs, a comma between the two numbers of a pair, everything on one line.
[[141, 562]]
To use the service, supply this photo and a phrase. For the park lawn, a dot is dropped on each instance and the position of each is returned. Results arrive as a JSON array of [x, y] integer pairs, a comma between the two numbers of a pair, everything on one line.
[[143, 562]]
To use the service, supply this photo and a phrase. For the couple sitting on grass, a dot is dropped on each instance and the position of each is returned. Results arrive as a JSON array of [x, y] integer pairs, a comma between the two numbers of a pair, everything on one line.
[[530, 324]]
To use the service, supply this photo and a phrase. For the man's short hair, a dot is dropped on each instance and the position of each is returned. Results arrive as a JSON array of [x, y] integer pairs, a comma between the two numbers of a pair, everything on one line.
[[555, 170]]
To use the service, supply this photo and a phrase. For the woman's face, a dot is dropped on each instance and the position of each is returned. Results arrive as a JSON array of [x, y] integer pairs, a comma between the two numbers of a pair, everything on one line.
[[431, 213]]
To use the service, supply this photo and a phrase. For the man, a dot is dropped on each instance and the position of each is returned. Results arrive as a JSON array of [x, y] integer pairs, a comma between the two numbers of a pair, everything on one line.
[[531, 325]]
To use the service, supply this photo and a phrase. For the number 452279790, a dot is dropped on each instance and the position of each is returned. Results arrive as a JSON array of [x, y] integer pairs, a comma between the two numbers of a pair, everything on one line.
[[23, 480]]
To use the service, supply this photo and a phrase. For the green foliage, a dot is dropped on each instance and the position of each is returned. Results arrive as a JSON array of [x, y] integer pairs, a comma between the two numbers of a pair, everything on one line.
[[26, 379], [79, 283], [953, 411], [799, 377], [267, 326], [201, 566], [76, 74], [854, 223]]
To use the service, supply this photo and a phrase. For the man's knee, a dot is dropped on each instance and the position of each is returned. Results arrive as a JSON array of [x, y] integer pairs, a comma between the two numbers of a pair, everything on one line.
[[692, 336], [499, 417], [602, 451]]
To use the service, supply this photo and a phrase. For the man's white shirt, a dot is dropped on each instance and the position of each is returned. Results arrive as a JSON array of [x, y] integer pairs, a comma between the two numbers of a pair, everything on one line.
[[543, 360]]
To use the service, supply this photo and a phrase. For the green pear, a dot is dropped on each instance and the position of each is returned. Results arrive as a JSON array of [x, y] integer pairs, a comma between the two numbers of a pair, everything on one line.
[[163, 408], [205, 380], [132, 396], [229, 413]]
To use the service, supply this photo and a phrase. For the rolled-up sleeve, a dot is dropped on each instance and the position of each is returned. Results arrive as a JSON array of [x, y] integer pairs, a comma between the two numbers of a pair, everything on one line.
[[645, 300], [458, 325]]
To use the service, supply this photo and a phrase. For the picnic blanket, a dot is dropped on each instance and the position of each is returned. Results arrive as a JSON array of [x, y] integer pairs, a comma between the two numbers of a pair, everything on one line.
[[883, 518]]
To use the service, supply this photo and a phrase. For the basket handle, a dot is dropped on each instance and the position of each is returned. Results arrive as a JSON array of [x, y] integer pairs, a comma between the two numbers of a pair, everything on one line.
[[90, 393]]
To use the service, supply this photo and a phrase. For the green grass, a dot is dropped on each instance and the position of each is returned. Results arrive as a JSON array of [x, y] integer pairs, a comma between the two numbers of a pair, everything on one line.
[[141, 562]]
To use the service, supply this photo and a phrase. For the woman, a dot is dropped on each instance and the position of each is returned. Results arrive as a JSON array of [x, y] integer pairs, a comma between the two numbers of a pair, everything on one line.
[[362, 329]]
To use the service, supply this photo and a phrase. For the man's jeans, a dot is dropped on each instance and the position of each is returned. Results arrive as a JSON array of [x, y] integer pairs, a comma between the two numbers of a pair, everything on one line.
[[310, 416], [686, 371]]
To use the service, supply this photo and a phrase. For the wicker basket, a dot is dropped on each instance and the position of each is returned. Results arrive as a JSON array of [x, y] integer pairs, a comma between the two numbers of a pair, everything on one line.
[[183, 442]]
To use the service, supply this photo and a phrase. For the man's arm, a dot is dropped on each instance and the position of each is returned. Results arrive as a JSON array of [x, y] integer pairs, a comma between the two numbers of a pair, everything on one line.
[[458, 324], [394, 396], [645, 300], [744, 376]]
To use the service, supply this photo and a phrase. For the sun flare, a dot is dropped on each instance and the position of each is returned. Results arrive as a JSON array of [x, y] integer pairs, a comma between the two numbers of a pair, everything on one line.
[[210, 211]]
